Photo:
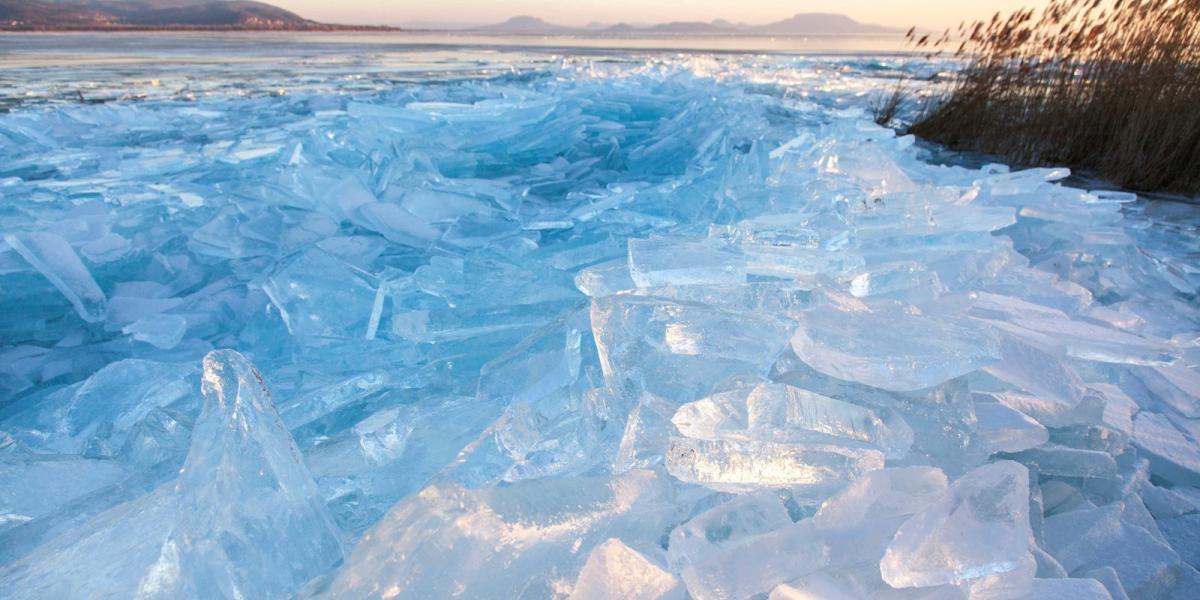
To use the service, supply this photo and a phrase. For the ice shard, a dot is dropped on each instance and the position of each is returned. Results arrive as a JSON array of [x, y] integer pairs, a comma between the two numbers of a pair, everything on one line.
[[54, 258], [979, 528], [889, 345], [614, 570], [502, 541], [243, 487]]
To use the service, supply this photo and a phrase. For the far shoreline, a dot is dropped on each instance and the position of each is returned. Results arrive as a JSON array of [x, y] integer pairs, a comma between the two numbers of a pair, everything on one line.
[[215, 28]]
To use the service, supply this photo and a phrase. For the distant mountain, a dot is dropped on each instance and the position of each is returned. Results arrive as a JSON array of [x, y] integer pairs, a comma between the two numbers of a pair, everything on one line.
[[153, 14], [526, 25], [801, 24], [821, 23]]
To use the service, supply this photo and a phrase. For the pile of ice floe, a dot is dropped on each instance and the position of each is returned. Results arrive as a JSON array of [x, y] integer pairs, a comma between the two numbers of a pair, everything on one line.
[[688, 328]]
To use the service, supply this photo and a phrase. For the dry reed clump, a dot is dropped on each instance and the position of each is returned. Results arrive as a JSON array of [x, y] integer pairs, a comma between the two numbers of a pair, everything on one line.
[[1107, 86]]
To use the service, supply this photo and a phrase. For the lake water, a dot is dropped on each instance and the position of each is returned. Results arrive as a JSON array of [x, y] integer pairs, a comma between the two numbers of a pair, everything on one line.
[[38, 68]]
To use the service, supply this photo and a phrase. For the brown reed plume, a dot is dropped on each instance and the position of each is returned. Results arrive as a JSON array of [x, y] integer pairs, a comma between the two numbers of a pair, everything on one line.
[[1107, 86]]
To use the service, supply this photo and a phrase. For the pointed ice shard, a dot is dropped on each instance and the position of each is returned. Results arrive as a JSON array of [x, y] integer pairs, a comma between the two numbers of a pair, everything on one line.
[[1003, 429], [53, 257], [243, 489], [979, 528]]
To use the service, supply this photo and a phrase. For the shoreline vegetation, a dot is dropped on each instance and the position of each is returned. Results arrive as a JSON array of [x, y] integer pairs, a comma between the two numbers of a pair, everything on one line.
[[1107, 87]]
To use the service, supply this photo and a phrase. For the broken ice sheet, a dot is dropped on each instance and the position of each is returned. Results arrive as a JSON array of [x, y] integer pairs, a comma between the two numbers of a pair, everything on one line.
[[614, 570], [676, 350], [889, 345], [521, 539], [858, 522], [743, 465], [320, 296], [979, 528], [724, 526], [756, 564], [782, 413]]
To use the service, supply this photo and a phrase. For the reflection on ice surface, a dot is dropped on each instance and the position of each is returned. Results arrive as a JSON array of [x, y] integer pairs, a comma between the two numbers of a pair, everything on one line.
[[525, 323]]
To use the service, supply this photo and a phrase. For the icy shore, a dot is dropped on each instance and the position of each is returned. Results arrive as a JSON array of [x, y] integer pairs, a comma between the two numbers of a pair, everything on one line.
[[662, 327]]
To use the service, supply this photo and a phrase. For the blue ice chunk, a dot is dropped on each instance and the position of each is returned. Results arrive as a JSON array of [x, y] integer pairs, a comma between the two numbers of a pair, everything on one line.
[[320, 296], [161, 331], [54, 258], [395, 223]]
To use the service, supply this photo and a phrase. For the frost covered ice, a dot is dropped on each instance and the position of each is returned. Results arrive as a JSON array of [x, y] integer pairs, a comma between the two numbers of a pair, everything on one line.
[[620, 326]]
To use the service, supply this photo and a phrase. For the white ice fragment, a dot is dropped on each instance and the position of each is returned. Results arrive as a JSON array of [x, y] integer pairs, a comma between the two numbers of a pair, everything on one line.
[[665, 261], [858, 522], [108, 248], [782, 413], [1178, 385], [1063, 461], [396, 224], [161, 331], [644, 441], [243, 488], [1091, 538], [724, 526], [1107, 576], [616, 571], [979, 528], [1173, 455], [882, 495], [102, 412], [738, 466], [53, 257], [502, 542], [888, 345], [1003, 429], [605, 279], [757, 564]]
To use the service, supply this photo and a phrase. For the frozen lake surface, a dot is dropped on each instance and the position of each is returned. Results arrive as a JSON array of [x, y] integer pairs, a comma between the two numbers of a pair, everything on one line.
[[409, 316]]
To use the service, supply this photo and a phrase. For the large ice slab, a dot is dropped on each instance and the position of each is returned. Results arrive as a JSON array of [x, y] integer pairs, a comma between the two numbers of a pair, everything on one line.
[[614, 570], [502, 541], [889, 345], [978, 529]]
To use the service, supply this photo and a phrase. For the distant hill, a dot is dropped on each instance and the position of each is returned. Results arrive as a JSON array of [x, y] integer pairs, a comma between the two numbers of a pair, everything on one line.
[[801, 24], [153, 14], [821, 23], [525, 25]]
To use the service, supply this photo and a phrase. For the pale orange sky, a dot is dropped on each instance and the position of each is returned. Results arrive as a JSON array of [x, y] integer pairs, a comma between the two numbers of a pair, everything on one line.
[[934, 14]]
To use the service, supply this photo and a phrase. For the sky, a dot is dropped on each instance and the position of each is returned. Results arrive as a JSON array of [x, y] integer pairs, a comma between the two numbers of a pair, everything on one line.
[[932, 14]]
